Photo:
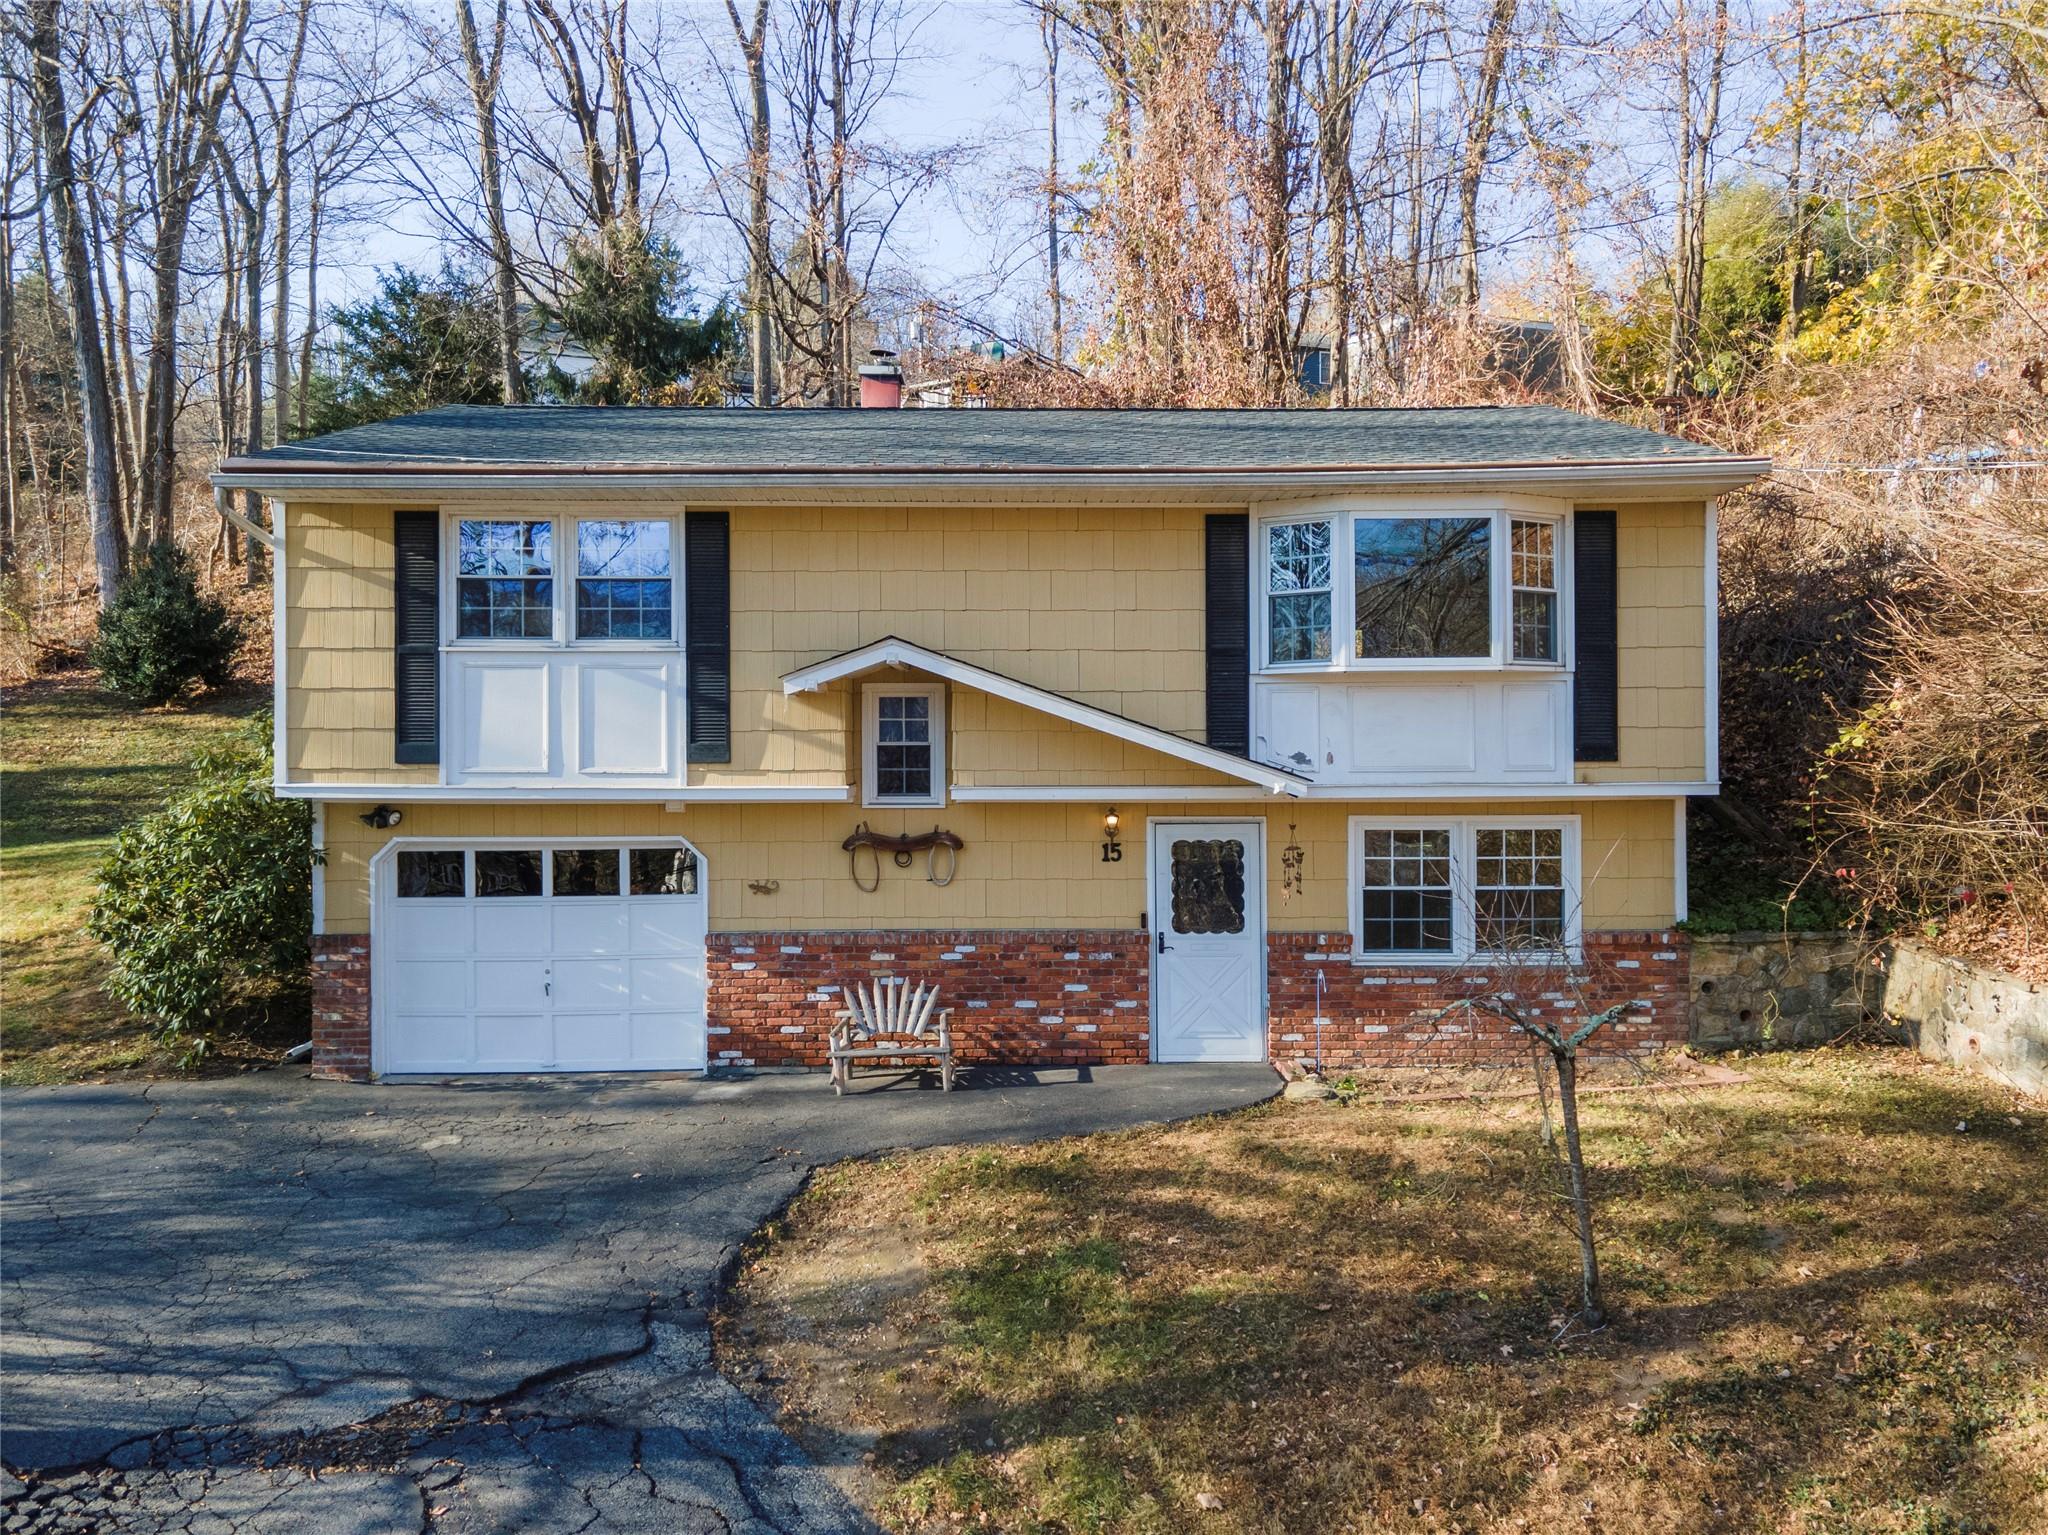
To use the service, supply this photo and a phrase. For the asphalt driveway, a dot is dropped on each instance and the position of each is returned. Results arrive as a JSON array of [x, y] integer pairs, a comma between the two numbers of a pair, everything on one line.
[[267, 1303]]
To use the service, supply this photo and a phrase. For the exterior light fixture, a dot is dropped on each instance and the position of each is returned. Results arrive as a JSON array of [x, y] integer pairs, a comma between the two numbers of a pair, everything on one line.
[[383, 818], [1112, 850]]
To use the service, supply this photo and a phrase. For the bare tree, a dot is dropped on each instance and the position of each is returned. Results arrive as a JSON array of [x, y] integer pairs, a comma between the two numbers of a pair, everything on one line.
[[56, 127], [1049, 41], [485, 68], [753, 45], [1481, 116], [282, 149], [1699, 67], [194, 61]]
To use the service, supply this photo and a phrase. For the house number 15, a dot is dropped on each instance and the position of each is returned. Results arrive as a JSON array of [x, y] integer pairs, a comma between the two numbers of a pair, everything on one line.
[[1112, 852]]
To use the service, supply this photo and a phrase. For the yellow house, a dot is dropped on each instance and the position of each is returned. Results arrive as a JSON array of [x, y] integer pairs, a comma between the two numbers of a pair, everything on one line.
[[634, 736]]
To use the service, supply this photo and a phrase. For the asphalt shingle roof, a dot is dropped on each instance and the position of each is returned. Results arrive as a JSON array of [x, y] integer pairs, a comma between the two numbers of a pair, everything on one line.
[[494, 437]]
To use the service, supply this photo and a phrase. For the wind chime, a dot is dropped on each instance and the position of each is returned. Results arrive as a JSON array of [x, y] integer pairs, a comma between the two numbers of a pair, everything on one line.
[[1291, 858]]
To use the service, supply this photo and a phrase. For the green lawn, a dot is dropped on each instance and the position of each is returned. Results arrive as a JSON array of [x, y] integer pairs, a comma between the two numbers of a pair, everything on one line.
[[75, 766]]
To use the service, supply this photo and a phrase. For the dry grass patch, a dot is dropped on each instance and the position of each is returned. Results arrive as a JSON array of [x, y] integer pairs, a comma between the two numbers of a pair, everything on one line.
[[1832, 1286]]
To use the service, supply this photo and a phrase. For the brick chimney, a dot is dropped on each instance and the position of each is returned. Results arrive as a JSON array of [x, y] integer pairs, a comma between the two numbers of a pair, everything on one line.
[[881, 382]]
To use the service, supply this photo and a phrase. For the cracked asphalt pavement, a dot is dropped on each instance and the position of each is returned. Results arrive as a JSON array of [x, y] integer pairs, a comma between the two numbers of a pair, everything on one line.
[[267, 1304]]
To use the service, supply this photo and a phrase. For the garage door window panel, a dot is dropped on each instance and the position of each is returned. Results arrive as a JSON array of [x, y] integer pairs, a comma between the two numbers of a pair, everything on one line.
[[663, 871], [432, 874], [501, 872], [585, 871]]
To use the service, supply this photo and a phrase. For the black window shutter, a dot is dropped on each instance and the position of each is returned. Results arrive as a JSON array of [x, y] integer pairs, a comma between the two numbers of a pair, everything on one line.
[[1228, 631], [416, 669], [1596, 680], [707, 634]]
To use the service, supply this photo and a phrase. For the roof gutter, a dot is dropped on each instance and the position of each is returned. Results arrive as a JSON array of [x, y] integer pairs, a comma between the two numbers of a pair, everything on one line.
[[1705, 476]]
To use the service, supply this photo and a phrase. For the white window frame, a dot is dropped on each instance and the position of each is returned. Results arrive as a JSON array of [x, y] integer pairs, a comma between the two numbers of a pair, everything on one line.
[[1464, 832], [1344, 655], [563, 541], [1559, 574], [871, 696]]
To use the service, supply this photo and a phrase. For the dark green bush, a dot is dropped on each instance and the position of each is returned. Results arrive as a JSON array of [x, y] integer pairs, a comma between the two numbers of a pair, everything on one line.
[[162, 634], [208, 904]]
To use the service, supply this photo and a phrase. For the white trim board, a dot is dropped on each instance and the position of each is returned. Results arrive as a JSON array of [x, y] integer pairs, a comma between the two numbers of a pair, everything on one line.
[[1562, 480], [892, 651], [670, 798], [993, 794]]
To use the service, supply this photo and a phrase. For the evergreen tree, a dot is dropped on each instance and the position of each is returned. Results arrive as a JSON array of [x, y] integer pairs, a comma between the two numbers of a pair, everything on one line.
[[628, 302]]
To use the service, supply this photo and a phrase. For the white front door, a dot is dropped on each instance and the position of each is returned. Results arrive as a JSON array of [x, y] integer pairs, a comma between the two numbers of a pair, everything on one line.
[[536, 956], [1209, 940]]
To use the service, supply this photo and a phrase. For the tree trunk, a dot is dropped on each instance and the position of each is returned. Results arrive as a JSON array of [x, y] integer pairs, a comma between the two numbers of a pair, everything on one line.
[[8, 420], [189, 141], [252, 335], [125, 490], [1591, 1309], [312, 326], [53, 124], [1049, 33], [1795, 244], [760, 303], [1275, 337], [1478, 144], [1696, 145], [483, 92], [281, 178]]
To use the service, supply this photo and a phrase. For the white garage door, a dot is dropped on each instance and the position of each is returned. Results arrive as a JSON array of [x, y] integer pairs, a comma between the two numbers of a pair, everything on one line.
[[539, 957]]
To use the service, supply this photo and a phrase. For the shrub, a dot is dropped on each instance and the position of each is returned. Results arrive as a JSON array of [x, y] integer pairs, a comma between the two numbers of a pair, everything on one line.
[[208, 904], [161, 633]]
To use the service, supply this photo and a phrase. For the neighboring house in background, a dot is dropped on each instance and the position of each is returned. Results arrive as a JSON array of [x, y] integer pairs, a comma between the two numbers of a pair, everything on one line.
[[1242, 719]]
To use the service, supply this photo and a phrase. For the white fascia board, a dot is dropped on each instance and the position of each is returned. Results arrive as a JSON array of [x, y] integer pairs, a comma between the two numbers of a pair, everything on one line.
[[1704, 477], [1375, 793], [1040, 794], [895, 652], [566, 794]]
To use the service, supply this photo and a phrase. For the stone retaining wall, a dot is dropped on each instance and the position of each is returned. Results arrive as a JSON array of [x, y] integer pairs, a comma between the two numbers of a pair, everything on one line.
[[1763, 990], [1970, 1015]]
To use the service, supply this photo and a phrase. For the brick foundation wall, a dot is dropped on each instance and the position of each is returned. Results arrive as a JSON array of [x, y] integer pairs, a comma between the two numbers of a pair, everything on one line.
[[1075, 998], [1381, 1015], [341, 1006], [1023, 998]]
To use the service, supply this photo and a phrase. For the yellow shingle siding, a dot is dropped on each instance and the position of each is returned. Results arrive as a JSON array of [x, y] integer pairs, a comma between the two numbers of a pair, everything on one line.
[[1661, 632], [998, 743], [338, 647], [1101, 604], [1023, 866]]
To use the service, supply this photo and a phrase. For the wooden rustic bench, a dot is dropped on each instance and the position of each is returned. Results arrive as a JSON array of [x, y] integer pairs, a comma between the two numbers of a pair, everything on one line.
[[886, 1024]]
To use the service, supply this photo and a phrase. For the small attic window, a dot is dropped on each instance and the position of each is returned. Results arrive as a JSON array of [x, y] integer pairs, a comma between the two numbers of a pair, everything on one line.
[[903, 735]]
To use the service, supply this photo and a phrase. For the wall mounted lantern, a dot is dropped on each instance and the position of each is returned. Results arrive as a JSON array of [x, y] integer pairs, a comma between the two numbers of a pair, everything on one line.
[[1112, 850]]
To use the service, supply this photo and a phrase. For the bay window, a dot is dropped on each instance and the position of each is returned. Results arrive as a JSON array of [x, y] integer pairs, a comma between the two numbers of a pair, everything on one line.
[[1425, 591], [1422, 587], [1462, 888], [1298, 591], [508, 585], [1533, 574]]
